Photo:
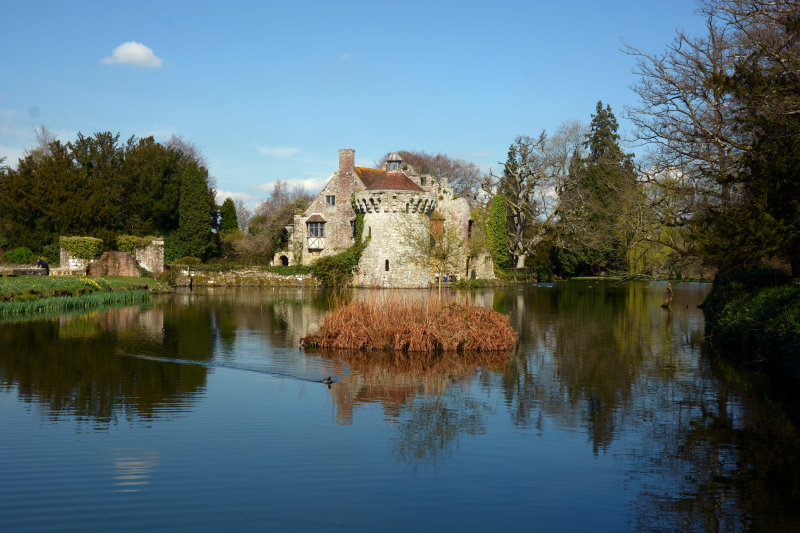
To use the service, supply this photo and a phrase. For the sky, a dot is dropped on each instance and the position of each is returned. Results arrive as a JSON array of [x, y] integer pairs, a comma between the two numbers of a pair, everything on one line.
[[271, 90]]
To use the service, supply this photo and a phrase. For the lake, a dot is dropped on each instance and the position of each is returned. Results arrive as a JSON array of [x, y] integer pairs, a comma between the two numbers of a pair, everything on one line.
[[199, 412]]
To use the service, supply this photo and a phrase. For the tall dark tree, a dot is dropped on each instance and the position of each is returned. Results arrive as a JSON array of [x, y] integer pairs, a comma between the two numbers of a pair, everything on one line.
[[228, 220], [599, 197], [155, 173], [194, 212]]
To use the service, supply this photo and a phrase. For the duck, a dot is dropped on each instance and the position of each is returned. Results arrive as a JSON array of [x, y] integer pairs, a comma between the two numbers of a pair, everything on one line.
[[328, 381]]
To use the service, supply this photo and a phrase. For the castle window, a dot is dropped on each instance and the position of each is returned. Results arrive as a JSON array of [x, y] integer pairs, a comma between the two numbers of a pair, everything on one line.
[[387, 266], [469, 230], [393, 166], [353, 228], [422, 181], [316, 229], [330, 200]]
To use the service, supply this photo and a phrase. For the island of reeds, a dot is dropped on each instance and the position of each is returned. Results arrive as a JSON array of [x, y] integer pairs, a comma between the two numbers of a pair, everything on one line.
[[429, 326]]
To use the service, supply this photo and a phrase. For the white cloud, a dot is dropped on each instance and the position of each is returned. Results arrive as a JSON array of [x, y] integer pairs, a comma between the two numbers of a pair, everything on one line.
[[133, 53], [243, 196], [12, 155], [282, 152]]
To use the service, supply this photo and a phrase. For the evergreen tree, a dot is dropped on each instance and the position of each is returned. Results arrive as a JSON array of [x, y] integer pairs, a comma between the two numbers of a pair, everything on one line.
[[194, 211], [228, 220], [497, 234], [600, 194]]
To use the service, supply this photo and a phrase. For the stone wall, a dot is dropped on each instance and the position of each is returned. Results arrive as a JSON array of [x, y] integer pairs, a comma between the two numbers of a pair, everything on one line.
[[70, 264], [151, 258], [388, 217]]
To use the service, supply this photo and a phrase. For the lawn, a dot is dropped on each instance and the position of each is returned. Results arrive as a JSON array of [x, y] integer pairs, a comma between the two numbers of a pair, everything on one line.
[[36, 294]]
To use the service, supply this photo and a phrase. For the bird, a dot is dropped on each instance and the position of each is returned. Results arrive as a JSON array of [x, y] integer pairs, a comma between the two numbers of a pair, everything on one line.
[[328, 381]]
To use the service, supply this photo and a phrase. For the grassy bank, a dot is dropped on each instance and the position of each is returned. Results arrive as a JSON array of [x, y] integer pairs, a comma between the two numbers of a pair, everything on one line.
[[755, 317], [413, 327], [21, 295]]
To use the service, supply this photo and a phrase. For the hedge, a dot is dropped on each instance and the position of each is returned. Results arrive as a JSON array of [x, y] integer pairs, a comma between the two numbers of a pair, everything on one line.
[[82, 247], [131, 243]]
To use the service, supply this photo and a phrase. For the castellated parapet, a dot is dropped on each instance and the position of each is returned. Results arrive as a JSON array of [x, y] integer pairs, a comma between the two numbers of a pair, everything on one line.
[[389, 218]]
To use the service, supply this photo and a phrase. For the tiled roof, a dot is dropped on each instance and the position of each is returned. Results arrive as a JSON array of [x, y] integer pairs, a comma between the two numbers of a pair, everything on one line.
[[316, 217], [374, 179]]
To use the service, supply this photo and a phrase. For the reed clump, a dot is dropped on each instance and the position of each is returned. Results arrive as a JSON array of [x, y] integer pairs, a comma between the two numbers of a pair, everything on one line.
[[428, 326]]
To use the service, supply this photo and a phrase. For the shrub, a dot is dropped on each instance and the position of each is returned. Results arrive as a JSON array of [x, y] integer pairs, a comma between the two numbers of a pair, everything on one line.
[[19, 256], [413, 327], [732, 285], [82, 247], [131, 243], [188, 260]]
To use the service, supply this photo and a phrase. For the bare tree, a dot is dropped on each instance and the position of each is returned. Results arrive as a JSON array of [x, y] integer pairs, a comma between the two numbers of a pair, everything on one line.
[[243, 214], [463, 176], [692, 121], [533, 180], [435, 244]]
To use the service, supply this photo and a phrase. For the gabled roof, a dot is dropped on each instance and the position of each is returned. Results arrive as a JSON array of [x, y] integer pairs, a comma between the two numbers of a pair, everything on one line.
[[316, 217], [374, 179]]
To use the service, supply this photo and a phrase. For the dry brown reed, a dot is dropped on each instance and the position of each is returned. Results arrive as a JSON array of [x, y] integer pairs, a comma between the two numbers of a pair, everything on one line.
[[413, 326]]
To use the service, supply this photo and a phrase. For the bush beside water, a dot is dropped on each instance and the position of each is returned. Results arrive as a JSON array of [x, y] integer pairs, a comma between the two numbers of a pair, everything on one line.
[[755, 316]]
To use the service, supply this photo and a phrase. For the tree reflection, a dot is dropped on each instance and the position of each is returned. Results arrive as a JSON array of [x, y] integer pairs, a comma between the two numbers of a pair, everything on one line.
[[584, 347], [73, 365], [423, 392], [718, 461]]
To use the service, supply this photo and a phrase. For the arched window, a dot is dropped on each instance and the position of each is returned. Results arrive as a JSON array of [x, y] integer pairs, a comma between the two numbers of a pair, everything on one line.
[[387, 265]]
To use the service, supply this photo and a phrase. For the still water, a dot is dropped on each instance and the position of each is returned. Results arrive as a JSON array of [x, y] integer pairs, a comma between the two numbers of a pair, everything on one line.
[[198, 412]]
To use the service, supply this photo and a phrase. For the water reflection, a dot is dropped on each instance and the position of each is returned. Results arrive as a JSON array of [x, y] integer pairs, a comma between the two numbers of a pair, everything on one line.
[[131, 469], [700, 443]]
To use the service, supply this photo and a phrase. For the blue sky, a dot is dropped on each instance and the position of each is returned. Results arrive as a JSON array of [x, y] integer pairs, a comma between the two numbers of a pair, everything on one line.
[[272, 90]]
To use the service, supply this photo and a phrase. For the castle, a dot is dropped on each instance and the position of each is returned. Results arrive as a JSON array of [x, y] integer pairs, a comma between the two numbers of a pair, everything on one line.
[[395, 201]]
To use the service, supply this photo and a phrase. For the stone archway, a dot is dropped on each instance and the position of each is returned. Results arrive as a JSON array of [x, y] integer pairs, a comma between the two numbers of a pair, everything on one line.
[[284, 260]]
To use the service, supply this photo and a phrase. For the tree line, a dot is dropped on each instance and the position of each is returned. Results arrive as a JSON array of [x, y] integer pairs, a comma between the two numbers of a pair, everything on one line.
[[718, 120], [99, 186]]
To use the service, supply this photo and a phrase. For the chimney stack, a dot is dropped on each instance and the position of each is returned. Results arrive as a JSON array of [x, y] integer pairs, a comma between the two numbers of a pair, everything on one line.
[[347, 160]]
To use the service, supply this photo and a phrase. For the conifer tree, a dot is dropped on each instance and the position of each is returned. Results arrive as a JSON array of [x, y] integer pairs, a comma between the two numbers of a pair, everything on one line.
[[597, 200], [228, 220], [194, 213], [497, 234]]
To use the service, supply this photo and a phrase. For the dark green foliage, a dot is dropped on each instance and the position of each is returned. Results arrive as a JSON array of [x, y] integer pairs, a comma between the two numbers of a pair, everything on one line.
[[19, 256], [82, 247], [600, 189], [337, 270], [542, 261], [194, 210], [733, 285], [497, 234], [755, 316], [173, 248], [95, 186], [228, 220]]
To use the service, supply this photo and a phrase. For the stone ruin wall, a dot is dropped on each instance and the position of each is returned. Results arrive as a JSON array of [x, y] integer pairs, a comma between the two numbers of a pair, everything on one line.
[[150, 258], [387, 216]]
